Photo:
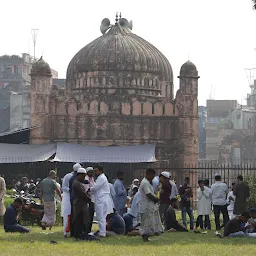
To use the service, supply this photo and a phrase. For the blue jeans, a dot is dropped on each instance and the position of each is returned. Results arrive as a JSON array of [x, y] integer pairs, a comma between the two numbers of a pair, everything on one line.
[[184, 212], [237, 234], [128, 219], [16, 228]]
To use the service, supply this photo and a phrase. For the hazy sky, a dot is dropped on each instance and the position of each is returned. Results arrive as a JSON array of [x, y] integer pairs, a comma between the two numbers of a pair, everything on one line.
[[219, 36]]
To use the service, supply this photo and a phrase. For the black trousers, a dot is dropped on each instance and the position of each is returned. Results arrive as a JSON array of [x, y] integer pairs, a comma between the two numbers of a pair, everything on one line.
[[206, 224], [71, 222], [218, 209], [91, 215], [79, 228]]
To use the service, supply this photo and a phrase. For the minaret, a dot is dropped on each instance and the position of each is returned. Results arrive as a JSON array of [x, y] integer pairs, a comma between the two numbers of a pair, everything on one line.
[[187, 103], [39, 102]]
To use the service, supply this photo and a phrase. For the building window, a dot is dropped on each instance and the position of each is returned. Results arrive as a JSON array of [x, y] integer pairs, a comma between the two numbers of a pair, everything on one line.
[[8, 69], [16, 69]]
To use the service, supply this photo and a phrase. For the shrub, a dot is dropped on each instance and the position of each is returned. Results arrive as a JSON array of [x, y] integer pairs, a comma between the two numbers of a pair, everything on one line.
[[251, 181]]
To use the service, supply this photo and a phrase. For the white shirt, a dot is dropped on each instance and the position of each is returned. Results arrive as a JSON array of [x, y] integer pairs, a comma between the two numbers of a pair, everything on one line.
[[174, 191], [65, 182], [112, 190], [155, 183], [134, 211], [231, 203], [219, 193]]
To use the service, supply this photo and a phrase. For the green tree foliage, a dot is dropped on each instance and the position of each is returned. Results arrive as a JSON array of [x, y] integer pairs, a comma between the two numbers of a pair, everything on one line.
[[251, 181]]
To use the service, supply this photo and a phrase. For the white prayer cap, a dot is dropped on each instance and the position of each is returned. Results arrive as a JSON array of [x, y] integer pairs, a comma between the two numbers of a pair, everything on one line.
[[136, 180], [89, 169], [166, 174], [217, 174], [81, 170], [76, 167]]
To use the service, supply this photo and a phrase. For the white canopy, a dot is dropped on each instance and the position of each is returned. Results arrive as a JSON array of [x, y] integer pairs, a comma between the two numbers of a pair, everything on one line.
[[22, 153], [98, 154]]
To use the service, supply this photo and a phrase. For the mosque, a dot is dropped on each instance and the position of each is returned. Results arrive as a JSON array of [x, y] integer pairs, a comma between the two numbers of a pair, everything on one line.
[[119, 91]]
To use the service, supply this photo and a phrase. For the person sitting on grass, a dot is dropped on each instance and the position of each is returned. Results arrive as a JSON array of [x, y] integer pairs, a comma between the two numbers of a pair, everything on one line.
[[11, 218], [131, 218], [236, 227], [115, 224], [171, 223]]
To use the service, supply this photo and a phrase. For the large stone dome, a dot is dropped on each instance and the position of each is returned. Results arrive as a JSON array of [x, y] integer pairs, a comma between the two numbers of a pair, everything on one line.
[[119, 53]]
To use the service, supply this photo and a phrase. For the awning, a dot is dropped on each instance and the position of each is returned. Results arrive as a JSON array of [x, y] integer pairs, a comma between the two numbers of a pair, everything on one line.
[[98, 154], [22, 153]]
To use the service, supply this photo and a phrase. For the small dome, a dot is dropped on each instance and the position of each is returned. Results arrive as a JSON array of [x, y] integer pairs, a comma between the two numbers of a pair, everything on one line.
[[189, 69], [41, 68]]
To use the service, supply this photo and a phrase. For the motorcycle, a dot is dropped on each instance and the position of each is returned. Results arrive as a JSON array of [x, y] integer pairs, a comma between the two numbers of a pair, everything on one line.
[[32, 212]]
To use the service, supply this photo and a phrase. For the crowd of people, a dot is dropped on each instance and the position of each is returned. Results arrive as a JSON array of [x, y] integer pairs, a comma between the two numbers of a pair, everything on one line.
[[147, 208]]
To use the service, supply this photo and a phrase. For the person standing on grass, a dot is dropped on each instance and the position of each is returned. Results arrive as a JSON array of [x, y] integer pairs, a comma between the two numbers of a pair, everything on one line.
[[149, 214], [203, 205], [242, 193], [103, 201], [121, 194], [165, 193], [219, 196], [231, 198], [2, 195], [66, 202], [186, 195], [71, 180], [80, 218], [11, 218], [171, 223], [90, 178], [47, 197]]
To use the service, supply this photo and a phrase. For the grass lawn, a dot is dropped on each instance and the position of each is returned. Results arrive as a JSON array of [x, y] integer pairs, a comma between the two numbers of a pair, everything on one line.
[[38, 243]]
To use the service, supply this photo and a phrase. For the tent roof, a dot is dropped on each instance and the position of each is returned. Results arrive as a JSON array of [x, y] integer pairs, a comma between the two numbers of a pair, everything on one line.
[[98, 154], [23, 153], [65, 152]]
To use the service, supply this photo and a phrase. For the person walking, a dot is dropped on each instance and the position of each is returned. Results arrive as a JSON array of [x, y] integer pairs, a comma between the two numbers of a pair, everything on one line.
[[149, 209], [103, 201], [219, 195], [203, 205], [120, 197], [186, 195], [47, 197], [242, 193]]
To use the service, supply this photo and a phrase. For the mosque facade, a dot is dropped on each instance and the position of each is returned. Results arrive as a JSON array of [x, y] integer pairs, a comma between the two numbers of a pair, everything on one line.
[[119, 91]]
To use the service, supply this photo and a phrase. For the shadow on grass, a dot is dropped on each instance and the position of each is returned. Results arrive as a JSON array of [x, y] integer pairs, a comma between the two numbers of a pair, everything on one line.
[[181, 239]]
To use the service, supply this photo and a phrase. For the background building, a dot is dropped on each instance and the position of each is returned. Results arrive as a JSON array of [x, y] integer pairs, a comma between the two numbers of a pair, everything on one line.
[[15, 82], [202, 114], [217, 111]]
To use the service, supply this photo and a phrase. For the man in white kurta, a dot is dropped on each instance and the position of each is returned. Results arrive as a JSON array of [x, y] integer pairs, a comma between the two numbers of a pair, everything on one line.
[[103, 202], [65, 204], [203, 205]]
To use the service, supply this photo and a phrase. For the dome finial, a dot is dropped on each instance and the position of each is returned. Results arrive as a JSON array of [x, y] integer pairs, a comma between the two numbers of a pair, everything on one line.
[[120, 15]]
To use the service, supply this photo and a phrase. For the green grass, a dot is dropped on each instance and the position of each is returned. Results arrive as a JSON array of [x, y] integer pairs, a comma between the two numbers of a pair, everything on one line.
[[38, 243]]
